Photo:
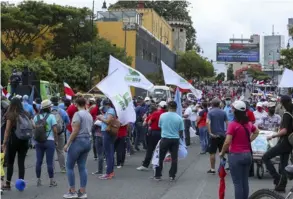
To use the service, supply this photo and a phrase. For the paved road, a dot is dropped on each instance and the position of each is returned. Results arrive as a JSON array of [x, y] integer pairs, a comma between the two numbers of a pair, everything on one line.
[[192, 183]]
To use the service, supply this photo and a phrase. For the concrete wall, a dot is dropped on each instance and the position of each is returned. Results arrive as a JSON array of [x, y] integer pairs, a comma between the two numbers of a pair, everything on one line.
[[179, 38], [149, 54]]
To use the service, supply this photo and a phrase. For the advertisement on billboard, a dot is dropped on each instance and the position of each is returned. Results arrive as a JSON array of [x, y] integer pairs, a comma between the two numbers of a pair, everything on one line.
[[237, 52]]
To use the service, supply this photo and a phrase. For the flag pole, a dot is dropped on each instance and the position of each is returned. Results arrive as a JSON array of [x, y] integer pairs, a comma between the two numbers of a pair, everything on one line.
[[102, 80]]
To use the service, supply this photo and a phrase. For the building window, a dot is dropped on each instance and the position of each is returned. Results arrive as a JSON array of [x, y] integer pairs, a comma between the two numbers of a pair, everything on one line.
[[172, 29], [181, 30]]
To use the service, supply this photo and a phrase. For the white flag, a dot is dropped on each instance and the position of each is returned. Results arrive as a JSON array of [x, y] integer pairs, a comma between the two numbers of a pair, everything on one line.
[[131, 76], [286, 80], [173, 78], [115, 88]]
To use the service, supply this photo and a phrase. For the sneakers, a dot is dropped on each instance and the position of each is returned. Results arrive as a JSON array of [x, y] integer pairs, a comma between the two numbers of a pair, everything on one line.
[[39, 182], [70, 195], [106, 177], [97, 173], [157, 178], [142, 168], [211, 171], [53, 184], [81, 195], [63, 170], [172, 179], [119, 167]]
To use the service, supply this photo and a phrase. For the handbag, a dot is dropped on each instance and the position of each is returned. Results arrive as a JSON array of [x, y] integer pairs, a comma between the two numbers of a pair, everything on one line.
[[113, 127]]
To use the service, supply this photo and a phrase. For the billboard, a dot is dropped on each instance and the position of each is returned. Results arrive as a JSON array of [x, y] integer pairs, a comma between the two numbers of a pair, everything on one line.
[[237, 52]]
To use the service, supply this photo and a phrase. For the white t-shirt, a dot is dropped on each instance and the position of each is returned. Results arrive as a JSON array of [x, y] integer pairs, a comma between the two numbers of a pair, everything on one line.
[[193, 115], [259, 117], [188, 111]]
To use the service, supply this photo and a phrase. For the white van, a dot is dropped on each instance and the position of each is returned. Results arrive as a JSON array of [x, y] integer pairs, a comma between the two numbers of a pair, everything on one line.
[[160, 92]]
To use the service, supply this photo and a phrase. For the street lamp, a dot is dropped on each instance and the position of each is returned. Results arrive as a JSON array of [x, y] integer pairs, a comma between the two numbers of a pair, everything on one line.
[[288, 44], [273, 64]]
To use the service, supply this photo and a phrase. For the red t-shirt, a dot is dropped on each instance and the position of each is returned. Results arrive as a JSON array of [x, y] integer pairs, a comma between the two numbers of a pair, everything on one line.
[[94, 112], [203, 120], [154, 118], [240, 142], [122, 132], [250, 116], [70, 111]]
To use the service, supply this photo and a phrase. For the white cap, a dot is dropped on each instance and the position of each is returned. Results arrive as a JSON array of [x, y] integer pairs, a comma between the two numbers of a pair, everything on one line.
[[265, 104], [259, 104], [92, 99], [162, 104], [271, 104], [239, 105], [147, 99]]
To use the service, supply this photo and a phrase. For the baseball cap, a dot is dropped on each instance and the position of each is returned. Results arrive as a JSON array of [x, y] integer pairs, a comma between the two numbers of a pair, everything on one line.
[[271, 104], [259, 104], [239, 105], [147, 99], [162, 104]]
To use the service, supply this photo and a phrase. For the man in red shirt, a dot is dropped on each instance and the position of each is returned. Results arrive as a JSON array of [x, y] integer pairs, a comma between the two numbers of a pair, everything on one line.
[[120, 145], [154, 135], [71, 110], [249, 113]]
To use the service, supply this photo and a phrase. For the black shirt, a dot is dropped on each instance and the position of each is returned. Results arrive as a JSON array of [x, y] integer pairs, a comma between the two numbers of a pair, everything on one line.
[[287, 123], [15, 80]]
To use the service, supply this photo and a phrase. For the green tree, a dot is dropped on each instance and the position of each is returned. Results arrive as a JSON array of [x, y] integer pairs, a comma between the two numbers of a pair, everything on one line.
[[41, 67], [191, 65], [221, 76], [286, 58], [76, 29], [101, 51], [258, 75], [230, 74], [72, 71], [156, 78], [169, 10], [25, 23]]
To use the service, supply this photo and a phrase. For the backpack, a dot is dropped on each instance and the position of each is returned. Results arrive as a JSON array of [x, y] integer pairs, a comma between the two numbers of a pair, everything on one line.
[[40, 132], [24, 127], [59, 120], [113, 127]]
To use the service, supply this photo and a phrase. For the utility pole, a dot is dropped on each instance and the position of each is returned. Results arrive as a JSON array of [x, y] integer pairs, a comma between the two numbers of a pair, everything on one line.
[[91, 49]]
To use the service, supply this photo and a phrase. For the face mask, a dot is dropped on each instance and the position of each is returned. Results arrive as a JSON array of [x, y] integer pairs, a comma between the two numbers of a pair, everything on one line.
[[272, 111], [259, 109], [228, 102]]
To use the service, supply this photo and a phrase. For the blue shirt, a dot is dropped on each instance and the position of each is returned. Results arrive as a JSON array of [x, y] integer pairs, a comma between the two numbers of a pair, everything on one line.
[[28, 108], [63, 114], [110, 111], [140, 111], [51, 121], [171, 123], [62, 106], [217, 119], [229, 112]]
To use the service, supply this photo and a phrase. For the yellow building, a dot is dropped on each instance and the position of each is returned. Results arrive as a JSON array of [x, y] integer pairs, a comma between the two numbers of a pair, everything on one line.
[[120, 26]]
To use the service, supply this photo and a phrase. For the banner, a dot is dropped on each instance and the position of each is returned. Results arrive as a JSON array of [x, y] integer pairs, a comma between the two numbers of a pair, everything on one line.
[[131, 76], [286, 80], [172, 78], [120, 96]]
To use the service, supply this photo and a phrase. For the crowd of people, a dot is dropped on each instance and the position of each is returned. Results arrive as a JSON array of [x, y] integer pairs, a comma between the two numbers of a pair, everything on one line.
[[224, 120]]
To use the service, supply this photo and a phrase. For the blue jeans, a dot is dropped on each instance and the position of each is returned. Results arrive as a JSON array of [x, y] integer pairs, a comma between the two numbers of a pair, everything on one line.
[[78, 152], [204, 138], [47, 147], [239, 164], [140, 135], [108, 144], [100, 152]]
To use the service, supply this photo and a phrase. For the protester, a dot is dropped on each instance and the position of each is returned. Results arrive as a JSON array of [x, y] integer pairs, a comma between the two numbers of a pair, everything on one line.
[[27, 107], [108, 140], [62, 120], [240, 134], [202, 127], [77, 148], [71, 110], [50, 142], [228, 108], [217, 121], [259, 114], [187, 122], [120, 145], [154, 134], [249, 113], [282, 148], [12, 145], [172, 127], [272, 121], [15, 80]]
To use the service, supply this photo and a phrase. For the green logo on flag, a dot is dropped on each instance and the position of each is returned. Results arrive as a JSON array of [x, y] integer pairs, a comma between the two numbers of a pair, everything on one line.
[[183, 81], [133, 76], [123, 100]]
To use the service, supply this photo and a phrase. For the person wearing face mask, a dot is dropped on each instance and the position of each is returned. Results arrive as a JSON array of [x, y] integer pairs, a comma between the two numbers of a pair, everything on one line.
[[228, 108], [272, 121], [259, 114]]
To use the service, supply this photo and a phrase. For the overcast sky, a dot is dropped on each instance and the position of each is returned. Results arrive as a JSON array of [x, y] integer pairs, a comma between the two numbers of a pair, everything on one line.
[[217, 20]]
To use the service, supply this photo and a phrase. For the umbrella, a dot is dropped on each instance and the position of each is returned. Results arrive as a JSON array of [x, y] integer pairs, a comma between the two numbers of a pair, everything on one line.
[[222, 174]]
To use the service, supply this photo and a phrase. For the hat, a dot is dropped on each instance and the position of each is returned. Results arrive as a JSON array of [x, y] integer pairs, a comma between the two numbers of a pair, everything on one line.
[[46, 104], [239, 105], [265, 104], [106, 102], [147, 99], [228, 96], [271, 104], [25, 97], [162, 104], [259, 104], [92, 99]]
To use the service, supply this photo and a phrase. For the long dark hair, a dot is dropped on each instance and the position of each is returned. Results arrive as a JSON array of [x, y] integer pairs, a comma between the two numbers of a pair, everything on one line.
[[241, 117], [286, 102], [15, 107]]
